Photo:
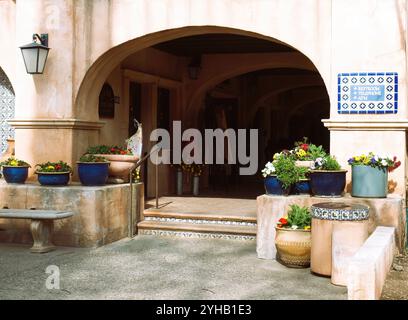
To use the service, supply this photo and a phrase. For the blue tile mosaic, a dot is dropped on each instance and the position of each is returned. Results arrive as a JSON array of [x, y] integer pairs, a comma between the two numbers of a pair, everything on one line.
[[6, 110], [367, 92]]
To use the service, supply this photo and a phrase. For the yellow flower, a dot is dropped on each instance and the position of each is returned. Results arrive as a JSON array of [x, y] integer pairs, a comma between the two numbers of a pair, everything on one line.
[[301, 153], [276, 156], [357, 158], [307, 228], [50, 168], [14, 163]]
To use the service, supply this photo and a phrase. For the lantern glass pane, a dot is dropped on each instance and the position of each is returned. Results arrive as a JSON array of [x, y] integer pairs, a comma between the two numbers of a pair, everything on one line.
[[42, 58], [30, 59]]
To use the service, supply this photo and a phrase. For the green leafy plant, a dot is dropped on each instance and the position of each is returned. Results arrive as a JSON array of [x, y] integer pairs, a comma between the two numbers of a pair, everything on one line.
[[326, 163], [59, 166], [105, 149], [297, 218], [287, 172], [14, 162], [316, 152], [92, 158]]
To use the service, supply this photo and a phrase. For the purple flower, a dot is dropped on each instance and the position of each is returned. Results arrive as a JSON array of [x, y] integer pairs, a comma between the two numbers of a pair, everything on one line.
[[350, 161], [373, 160]]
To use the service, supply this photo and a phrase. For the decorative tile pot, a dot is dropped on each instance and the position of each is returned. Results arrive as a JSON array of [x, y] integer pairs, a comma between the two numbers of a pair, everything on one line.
[[325, 183], [53, 178], [93, 173], [369, 182], [15, 174], [293, 247]]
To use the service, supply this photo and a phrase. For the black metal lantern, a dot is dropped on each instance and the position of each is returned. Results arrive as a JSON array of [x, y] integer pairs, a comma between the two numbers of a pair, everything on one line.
[[35, 54]]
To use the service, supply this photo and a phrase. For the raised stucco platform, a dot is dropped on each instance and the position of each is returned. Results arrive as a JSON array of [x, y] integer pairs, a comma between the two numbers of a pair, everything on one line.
[[102, 213], [388, 212]]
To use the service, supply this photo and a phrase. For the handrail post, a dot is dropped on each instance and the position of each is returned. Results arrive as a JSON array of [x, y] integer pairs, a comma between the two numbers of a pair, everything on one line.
[[157, 185]]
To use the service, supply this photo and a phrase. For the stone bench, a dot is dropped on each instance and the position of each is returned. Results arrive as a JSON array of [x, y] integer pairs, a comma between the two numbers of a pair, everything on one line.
[[42, 225]]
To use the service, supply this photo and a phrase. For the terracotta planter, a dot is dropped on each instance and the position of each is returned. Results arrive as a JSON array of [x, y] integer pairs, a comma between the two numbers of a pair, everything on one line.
[[304, 163], [120, 165], [293, 247]]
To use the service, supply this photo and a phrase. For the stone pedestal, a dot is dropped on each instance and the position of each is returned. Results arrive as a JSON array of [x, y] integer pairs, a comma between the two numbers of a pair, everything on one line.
[[388, 211], [321, 255], [102, 213]]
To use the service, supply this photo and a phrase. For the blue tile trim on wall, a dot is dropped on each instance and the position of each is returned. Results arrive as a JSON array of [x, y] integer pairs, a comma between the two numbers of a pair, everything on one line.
[[367, 92]]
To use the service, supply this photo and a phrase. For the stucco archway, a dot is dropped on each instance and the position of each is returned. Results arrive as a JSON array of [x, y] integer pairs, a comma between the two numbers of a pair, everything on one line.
[[87, 96]]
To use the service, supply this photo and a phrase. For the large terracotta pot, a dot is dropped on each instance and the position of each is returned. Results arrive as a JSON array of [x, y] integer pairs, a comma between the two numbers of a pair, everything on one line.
[[293, 247], [120, 165]]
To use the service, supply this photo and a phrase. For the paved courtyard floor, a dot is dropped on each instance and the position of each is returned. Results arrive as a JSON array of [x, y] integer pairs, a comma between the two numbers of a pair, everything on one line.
[[158, 268]]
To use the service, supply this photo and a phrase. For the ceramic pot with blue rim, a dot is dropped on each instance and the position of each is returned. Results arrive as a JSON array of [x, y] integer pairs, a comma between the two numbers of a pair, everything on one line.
[[53, 178], [327, 183], [13, 174], [274, 187], [93, 173], [302, 187], [369, 182]]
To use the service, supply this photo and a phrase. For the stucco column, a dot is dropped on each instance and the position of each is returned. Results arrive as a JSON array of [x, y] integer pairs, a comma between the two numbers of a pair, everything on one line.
[[45, 123]]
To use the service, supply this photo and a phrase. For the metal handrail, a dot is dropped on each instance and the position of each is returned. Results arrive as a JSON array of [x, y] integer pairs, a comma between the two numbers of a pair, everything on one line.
[[135, 166]]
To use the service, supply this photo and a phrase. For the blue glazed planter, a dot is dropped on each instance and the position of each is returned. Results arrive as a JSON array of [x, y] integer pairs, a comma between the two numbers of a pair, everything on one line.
[[324, 183], [274, 187], [302, 187], [15, 174], [369, 182], [53, 178], [93, 173]]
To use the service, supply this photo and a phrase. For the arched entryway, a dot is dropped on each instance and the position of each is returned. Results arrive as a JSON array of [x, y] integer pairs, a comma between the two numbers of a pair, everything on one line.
[[252, 81], [7, 111], [249, 70]]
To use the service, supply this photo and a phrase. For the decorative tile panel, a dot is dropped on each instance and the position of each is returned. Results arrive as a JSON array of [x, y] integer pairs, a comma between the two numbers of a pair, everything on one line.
[[6, 110], [339, 211], [202, 221], [199, 235], [367, 93]]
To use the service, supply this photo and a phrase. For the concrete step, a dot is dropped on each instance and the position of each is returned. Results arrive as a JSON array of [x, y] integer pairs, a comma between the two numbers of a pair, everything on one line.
[[198, 228], [208, 216]]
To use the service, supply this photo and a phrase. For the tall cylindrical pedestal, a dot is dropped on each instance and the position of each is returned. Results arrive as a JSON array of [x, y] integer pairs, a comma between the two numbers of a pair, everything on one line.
[[324, 217]]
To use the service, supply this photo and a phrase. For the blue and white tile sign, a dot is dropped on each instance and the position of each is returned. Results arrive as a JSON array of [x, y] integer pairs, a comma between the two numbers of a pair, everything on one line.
[[367, 93]]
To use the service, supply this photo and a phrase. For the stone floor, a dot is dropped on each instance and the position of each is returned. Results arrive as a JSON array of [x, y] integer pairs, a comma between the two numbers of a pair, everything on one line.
[[205, 205], [158, 268]]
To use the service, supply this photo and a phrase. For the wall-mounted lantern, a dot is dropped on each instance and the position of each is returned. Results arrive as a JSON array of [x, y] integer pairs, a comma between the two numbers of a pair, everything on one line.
[[194, 68], [35, 54]]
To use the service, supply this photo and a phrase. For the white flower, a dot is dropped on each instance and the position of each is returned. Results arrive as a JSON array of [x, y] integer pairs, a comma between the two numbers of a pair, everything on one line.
[[268, 170], [384, 163], [376, 158], [294, 227]]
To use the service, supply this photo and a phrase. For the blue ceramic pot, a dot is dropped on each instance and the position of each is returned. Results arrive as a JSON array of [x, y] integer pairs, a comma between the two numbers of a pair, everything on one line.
[[369, 182], [302, 187], [53, 178], [325, 183], [93, 173], [15, 174], [274, 187]]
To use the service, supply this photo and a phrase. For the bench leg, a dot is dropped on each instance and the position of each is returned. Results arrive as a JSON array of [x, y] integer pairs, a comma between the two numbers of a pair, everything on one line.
[[42, 235]]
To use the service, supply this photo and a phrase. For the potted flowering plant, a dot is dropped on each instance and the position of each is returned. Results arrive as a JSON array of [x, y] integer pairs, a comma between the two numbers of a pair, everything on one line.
[[93, 170], [305, 153], [53, 173], [15, 170], [293, 238], [369, 175], [282, 174], [121, 160], [327, 178]]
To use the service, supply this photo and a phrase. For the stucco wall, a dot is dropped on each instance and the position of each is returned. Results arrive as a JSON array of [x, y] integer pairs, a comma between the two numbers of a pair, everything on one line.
[[8, 50], [90, 38]]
